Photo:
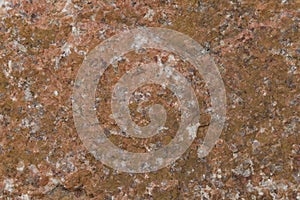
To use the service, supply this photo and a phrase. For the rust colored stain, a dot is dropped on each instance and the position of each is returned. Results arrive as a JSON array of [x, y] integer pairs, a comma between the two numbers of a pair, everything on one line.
[[256, 47]]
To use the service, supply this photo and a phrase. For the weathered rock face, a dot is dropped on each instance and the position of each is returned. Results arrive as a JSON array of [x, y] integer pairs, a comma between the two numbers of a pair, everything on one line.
[[255, 46]]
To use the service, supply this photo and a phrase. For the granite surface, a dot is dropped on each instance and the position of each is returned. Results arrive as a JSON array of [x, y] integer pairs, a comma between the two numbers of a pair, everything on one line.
[[256, 46]]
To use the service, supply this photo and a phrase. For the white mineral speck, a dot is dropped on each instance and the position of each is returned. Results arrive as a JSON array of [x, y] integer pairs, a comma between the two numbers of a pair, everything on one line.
[[24, 197], [149, 15], [28, 95], [34, 169], [8, 185], [20, 166], [193, 130], [66, 49]]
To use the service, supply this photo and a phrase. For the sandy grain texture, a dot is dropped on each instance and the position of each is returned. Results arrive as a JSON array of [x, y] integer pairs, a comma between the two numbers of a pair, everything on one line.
[[256, 47]]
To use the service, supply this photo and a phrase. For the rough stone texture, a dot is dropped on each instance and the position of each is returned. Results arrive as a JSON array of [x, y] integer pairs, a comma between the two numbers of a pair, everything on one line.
[[256, 46]]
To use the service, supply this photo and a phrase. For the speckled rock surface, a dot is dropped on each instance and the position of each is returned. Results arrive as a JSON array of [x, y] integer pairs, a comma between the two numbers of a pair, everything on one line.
[[256, 47]]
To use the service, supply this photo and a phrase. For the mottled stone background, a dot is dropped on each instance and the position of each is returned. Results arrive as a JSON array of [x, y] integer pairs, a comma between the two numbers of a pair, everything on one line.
[[256, 47]]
